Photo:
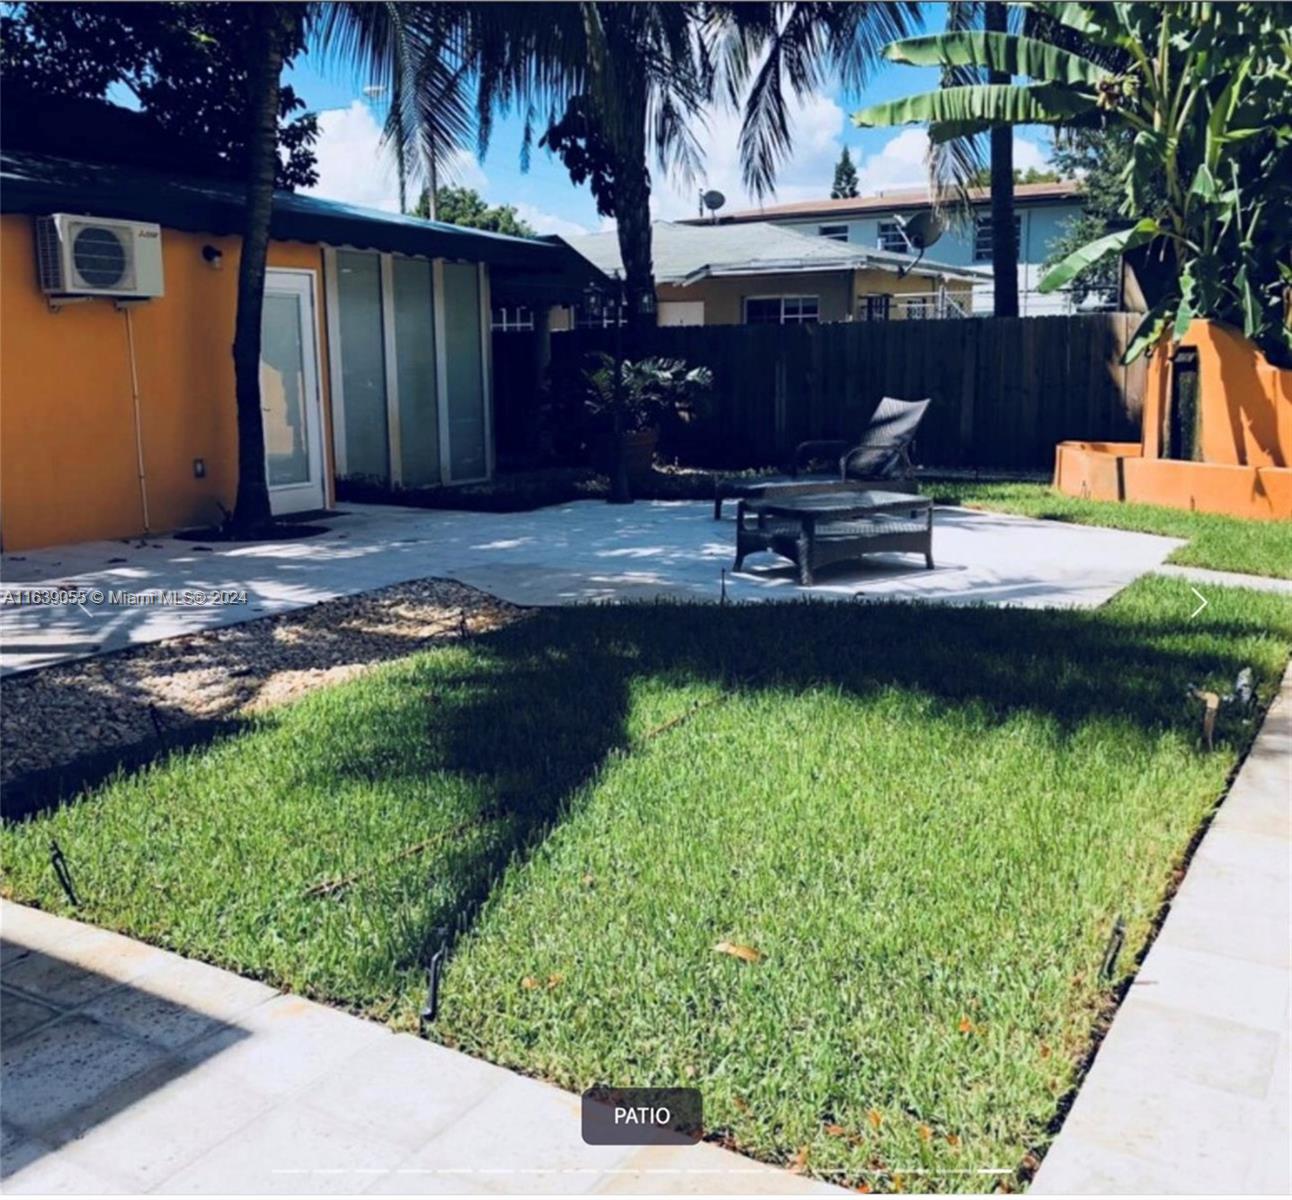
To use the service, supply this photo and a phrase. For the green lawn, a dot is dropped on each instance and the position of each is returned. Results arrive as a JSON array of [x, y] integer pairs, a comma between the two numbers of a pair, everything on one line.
[[924, 819], [1220, 543]]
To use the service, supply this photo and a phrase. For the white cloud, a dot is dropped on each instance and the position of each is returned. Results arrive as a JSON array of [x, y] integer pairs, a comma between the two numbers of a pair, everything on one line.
[[817, 128], [546, 222], [355, 168], [816, 125]]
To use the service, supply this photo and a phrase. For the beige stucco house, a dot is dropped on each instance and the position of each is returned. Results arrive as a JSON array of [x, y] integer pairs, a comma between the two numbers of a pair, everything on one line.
[[760, 273]]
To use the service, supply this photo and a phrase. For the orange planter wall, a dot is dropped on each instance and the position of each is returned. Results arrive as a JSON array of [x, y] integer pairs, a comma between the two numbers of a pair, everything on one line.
[[1245, 438]]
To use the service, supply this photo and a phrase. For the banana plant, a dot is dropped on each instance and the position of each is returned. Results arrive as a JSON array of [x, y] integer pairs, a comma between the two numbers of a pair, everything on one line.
[[1206, 89]]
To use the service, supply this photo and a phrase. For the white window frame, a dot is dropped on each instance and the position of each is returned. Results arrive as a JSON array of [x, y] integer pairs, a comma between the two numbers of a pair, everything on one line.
[[605, 321], [884, 238], [869, 310], [982, 229], [795, 320], [836, 233], [512, 318]]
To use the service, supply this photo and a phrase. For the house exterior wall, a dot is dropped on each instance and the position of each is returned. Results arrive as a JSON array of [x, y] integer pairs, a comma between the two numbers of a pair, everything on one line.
[[1040, 226], [68, 462], [837, 291], [724, 297]]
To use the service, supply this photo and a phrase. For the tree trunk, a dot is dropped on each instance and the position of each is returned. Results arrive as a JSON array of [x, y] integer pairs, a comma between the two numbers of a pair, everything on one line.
[[632, 212], [272, 25], [1004, 242]]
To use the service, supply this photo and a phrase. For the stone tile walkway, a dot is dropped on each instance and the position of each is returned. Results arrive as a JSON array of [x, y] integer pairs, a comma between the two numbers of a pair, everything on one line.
[[128, 1069], [1202, 576], [1189, 1091], [566, 554]]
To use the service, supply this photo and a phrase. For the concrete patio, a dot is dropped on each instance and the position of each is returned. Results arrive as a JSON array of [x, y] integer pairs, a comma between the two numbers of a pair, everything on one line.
[[129, 1070], [567, 554]]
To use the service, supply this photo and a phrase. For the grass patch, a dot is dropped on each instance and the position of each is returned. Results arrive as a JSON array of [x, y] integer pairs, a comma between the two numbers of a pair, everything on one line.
[[1216, 542], [925, 819]]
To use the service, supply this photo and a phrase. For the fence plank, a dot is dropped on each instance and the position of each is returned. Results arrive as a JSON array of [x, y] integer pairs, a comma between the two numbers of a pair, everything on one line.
[[1004, 390]]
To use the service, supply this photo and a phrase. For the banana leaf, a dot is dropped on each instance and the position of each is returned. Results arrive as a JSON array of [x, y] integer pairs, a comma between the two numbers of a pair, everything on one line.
[[998, 52], [994, 103], [1064, 272]]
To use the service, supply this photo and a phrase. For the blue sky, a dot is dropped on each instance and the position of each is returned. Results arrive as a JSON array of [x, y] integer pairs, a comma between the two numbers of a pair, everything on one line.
[[352, 168]]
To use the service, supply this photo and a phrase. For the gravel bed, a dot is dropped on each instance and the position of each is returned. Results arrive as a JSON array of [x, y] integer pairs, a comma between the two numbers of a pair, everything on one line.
[[54, 716]]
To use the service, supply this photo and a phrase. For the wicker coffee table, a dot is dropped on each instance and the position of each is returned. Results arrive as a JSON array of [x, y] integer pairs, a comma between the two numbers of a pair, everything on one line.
[[827, 527]]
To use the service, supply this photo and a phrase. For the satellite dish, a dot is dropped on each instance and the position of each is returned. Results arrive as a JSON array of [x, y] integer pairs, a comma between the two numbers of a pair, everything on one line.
[[713, 200], [923, 229]]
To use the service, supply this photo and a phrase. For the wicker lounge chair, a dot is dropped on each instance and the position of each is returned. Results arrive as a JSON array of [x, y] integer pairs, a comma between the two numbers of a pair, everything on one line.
[[881, 455]]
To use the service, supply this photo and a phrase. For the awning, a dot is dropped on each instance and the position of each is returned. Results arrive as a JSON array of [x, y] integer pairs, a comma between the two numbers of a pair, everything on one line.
[[39, 184]]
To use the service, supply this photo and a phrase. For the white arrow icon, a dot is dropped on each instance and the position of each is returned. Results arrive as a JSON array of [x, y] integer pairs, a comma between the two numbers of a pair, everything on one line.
[[1201, 606]]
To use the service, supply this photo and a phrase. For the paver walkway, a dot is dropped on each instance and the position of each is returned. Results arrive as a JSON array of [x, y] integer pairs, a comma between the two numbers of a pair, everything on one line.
[[129, 1069], [1189, 1091], [1201, 575], [566, 554]]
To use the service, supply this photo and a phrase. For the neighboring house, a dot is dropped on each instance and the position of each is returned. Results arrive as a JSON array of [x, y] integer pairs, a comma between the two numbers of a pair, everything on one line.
[[116, 328], [760, 274], [1041, 210]]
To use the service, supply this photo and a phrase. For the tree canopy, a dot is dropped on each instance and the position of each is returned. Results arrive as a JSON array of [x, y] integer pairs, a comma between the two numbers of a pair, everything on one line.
[[185, 65], [1203, 92], [465, 206], [845, 178]]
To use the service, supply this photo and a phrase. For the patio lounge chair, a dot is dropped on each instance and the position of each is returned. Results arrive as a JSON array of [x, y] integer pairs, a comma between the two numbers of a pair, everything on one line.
[[883, 454]]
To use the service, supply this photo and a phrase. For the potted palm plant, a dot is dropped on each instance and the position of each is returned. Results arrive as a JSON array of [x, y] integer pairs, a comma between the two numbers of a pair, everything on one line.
[[650, 392]]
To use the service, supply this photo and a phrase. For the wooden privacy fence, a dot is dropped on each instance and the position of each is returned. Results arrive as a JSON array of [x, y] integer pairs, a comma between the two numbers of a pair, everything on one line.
[[1004, 390]]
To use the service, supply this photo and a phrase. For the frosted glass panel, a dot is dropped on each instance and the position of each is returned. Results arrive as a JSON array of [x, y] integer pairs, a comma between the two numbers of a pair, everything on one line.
[[466, 397], [282, 391], [363, 367], [419, 431]]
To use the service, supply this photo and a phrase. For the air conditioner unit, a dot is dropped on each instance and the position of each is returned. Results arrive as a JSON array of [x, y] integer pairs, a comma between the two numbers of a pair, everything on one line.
[[92, 256]]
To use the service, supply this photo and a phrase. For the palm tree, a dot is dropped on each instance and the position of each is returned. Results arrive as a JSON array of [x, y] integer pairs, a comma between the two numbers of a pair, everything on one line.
[[956, 153], [644, 72], [623, 87], [418, 51], [1203, 91], [1004, 237]]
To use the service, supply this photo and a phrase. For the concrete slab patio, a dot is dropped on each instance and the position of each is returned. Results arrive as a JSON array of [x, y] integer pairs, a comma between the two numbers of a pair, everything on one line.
[[127, 1069], [1189, 1091], [567, 554]]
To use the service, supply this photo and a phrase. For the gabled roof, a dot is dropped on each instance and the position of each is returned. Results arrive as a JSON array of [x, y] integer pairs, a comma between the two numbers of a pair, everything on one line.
[[905, 199], [685, 254], [39, 184]]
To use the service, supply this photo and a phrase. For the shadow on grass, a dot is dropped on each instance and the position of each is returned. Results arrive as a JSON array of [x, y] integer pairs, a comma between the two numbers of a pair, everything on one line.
[[541, 707], [429, 778]]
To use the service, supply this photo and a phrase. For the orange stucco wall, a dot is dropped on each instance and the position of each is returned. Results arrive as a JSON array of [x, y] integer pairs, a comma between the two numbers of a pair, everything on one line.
[[68, 462], [1245, 438], [1246, 402]]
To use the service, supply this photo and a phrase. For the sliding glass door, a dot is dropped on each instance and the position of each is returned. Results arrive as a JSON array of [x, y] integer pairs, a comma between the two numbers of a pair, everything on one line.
[[409, 370]]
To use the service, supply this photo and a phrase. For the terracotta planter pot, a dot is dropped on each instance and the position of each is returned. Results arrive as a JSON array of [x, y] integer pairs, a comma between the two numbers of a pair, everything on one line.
[[639, 453]]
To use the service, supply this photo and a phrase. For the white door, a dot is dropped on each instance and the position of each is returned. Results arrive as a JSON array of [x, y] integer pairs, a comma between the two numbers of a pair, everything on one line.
[[681, 312], [289, 393]]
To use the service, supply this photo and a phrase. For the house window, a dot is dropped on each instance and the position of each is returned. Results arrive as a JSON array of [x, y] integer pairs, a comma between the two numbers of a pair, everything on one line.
[[982, 239], [836, 233], [891, 237], [512, 319], [781, 310], [584, 320], [919, 308], [876, 308]]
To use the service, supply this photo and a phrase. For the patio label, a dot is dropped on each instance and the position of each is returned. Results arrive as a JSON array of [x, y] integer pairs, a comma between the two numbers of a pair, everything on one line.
[[642, 1116]]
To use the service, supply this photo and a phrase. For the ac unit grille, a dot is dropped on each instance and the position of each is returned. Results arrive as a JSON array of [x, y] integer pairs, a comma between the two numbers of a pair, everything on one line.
[[49, 264], [101, 257]]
